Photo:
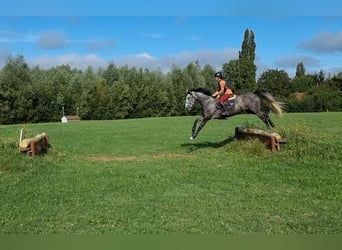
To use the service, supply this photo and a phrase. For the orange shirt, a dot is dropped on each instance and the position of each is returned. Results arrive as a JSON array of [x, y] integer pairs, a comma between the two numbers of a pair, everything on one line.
[[223, 89]]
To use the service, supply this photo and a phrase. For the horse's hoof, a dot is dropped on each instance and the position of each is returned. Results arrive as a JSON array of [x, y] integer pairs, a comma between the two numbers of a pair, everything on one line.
[[191, 138]]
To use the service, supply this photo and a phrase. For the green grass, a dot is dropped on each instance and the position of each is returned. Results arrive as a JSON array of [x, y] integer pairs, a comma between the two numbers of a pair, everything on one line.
[[146, 176]]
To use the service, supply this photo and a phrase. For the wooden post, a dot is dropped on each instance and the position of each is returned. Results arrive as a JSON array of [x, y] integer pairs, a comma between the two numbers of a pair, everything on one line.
[[33, 148], [273, 144]]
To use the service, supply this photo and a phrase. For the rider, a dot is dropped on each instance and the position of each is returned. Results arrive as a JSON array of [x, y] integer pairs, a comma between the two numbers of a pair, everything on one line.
[[222, 92]]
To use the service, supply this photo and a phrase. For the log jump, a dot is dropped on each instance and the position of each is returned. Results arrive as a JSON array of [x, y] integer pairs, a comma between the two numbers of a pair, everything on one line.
[[271, 140], [35, 145]]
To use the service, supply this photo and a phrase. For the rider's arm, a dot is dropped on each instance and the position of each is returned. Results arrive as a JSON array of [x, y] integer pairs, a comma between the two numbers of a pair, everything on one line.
[[215, 94], [221, 90]]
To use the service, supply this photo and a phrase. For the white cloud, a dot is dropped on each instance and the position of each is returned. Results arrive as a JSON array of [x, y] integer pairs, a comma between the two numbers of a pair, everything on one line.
[[324, 42], [333, 71], [4, 53], [52, 40], [73, 60], [215, 58], [292, 61], [96, 45], [144, 55], [8, 36]]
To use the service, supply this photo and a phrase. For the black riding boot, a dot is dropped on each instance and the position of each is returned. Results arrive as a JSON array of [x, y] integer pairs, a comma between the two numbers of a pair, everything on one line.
[[224, 109]]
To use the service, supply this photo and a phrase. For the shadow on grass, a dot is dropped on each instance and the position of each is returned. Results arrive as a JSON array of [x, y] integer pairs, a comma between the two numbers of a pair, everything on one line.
[[196, 146]]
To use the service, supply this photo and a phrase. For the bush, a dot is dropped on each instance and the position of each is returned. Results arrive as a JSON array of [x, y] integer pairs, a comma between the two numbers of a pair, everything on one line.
[[302, 141]]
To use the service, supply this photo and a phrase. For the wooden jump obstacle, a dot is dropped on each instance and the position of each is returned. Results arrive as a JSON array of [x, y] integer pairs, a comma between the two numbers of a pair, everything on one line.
[[35, 145], [271, 140]]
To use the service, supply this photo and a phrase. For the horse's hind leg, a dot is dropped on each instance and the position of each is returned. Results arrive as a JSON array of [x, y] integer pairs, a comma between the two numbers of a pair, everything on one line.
[[269, 121], [266, 119]]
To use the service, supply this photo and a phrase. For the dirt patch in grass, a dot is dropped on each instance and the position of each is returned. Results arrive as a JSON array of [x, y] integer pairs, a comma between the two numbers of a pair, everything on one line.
[[138, 157]]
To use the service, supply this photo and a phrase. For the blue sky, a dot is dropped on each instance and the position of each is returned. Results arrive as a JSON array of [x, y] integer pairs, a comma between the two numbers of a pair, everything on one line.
[[171, 8], [162, 41]]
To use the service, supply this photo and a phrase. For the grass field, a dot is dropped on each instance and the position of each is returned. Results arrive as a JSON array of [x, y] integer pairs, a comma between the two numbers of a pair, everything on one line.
[[145, 176]]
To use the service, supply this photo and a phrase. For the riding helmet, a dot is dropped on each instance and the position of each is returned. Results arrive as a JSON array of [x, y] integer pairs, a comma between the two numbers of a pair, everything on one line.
[[219, 74]]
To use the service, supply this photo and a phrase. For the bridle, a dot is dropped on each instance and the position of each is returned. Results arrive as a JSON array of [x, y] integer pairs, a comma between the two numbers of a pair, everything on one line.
[[189, 101]]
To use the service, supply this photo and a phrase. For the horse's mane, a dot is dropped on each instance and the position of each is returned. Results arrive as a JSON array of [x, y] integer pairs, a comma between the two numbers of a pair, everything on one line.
[[201, 90]]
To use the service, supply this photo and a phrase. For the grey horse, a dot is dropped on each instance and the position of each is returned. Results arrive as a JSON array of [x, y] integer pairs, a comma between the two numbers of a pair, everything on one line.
[[252, 103]]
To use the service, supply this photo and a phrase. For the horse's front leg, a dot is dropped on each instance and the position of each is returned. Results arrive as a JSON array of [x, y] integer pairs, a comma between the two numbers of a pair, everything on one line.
[[196, 131], [195, 124]]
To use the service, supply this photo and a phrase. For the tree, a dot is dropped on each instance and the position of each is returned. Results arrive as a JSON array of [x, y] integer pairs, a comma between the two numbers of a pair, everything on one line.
[[178, 89], [44, 101], [15, 91], [300, 69], [82, 97], [302, 83], [189, 77], [208, 73], [101, 101], [320, 77], [242, 72], [336, 81], [121, 105], [193, 76], [276, 81], [248, 46], [247, 67], [233, 74], [111, 74], [154, 95]]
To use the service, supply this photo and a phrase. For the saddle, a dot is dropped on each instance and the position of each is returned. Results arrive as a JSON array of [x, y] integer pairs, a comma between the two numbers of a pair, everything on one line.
[[227, 104]]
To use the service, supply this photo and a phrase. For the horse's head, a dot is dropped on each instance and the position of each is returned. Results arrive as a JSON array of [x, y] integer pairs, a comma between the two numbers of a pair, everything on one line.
[[196, 94], [189, 100]]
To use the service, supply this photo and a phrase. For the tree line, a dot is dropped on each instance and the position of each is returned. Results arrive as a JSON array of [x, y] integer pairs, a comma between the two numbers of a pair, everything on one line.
[[39, 95]]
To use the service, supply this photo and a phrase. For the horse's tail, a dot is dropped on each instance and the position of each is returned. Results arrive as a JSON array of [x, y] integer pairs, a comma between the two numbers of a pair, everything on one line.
[[270, 102]]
